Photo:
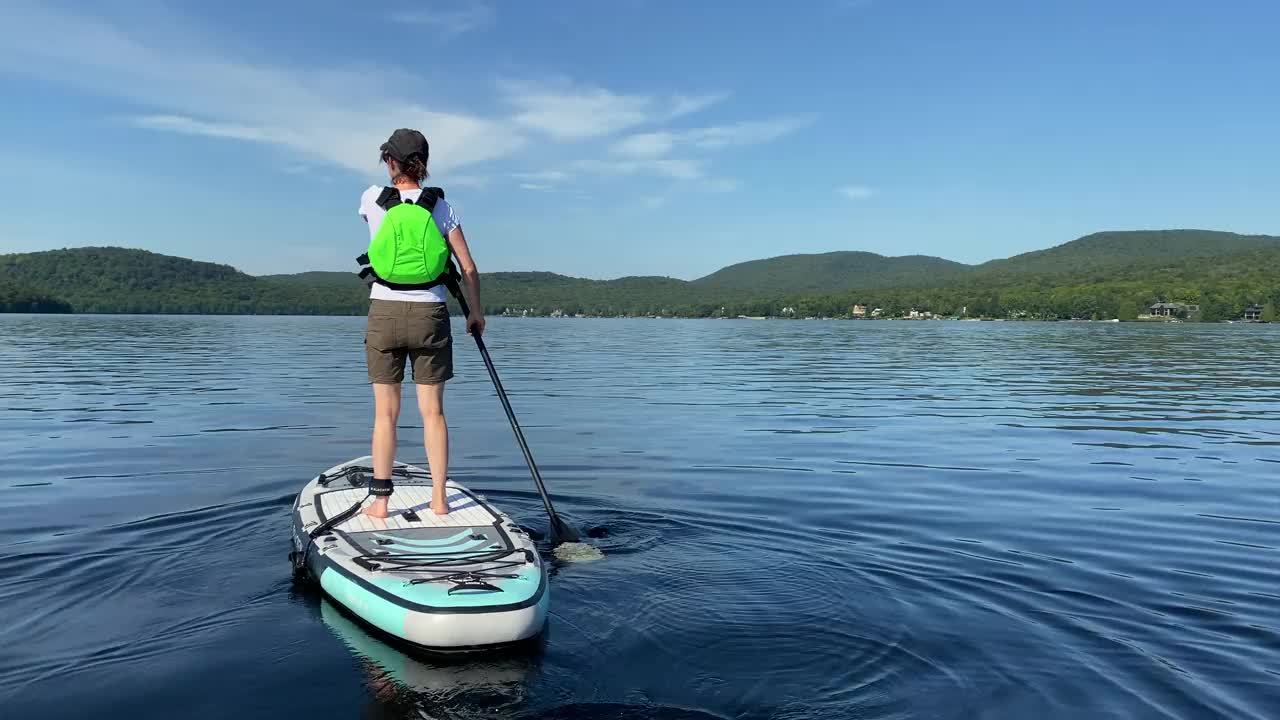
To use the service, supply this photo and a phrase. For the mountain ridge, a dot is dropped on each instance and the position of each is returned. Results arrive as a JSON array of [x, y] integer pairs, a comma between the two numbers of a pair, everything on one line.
[[1108, 272]]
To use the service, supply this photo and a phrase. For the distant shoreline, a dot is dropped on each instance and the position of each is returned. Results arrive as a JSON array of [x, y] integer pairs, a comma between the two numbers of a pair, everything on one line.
[[1190, 275], [761, 318]]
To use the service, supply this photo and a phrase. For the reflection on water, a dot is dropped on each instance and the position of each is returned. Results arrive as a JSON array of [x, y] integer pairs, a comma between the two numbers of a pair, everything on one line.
[[474, 687], [798, 519]]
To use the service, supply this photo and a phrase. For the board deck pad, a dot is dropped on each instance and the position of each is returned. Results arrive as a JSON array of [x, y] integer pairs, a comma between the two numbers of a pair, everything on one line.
[[464, 509], [428, 541]]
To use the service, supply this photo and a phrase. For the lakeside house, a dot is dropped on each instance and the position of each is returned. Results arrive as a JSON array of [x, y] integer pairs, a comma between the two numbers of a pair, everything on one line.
[[1172, 310], [1253, 313], [859, 311]]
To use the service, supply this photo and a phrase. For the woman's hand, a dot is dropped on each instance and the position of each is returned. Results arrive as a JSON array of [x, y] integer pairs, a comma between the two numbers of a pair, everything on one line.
[[475, 323]]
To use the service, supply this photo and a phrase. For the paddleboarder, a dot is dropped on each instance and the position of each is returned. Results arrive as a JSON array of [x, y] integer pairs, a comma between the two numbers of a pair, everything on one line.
[[412, 230]]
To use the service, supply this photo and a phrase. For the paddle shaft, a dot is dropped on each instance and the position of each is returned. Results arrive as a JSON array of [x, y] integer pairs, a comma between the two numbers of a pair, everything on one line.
[[559, 529]]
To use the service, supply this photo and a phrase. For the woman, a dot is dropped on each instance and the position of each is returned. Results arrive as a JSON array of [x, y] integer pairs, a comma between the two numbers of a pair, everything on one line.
[[412, 233]]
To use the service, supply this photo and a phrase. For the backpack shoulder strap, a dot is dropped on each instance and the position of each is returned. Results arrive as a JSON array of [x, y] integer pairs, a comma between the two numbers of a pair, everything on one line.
[[430, 196], [389, 198]]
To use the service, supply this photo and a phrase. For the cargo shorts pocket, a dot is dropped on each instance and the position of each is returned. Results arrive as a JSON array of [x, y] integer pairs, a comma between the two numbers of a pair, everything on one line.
[[380, 334], [429, 330]]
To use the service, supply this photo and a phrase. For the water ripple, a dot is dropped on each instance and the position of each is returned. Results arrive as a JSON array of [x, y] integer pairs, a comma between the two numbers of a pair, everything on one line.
[[799, 520]]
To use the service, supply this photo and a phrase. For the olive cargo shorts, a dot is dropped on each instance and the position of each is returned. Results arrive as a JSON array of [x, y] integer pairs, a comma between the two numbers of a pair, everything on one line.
[[400, 330]]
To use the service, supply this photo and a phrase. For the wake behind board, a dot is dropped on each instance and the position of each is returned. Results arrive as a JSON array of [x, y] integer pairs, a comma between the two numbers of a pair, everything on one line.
[[468, 579]]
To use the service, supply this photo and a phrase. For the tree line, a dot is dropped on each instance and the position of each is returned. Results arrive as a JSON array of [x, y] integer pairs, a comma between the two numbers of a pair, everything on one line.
[[114, 280]]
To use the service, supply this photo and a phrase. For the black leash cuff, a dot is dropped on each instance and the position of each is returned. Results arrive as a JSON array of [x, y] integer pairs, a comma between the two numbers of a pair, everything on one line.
[[380, 488]]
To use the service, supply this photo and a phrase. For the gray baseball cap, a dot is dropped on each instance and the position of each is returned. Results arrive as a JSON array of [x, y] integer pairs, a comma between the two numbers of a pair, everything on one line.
[[405, 143]]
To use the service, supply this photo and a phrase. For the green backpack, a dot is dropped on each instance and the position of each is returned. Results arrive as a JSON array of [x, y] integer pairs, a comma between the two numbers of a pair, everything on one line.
[[408, 252]]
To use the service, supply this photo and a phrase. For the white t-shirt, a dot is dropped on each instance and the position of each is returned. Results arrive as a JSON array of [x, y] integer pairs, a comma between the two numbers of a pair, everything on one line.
[[445, 219]]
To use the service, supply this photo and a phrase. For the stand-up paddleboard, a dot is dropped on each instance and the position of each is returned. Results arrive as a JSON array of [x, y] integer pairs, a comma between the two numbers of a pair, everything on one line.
[[466, 580]]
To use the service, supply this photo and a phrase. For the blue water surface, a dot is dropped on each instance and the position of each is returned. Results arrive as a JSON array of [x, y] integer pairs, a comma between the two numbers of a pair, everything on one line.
[[802, 519]]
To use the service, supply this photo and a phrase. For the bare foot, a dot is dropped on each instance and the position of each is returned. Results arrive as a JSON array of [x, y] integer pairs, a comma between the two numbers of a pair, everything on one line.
[[440, 506], [377, 509]]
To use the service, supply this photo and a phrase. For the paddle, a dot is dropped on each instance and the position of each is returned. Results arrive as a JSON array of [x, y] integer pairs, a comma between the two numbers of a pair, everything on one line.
[[560, 530]]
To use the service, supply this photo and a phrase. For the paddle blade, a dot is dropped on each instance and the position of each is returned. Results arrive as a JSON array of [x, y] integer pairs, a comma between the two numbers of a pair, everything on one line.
[[561, 532]]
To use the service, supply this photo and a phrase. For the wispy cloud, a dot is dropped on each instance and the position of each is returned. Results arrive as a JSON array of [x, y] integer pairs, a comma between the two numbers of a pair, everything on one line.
[[682, 105], [191, 126], [449, 19], [546, 176], [657, 144], [856, 192], [566, 111], [575, 114], [746, 133], [666, 153], [645, 145], [188, 81], [335, 117], [676, 169]]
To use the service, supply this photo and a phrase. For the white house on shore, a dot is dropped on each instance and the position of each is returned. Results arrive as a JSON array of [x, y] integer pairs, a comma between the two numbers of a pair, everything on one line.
[[1172, 310]]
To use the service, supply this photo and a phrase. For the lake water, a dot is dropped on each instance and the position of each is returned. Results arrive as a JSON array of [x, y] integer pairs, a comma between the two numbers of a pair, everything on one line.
[[805, 519]]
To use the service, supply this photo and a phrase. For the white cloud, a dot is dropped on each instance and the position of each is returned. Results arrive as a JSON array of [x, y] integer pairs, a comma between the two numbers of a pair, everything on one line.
[[645, 145], [569, 112], [546, 176], [722, 185], [654, 150], [745, 133], [576, 114], [682, 105], [856, 192], [659, 144], [665, 167], [334, 117], [449, 19], [184, 80], [191, 126], [678, 169], [534, 186]]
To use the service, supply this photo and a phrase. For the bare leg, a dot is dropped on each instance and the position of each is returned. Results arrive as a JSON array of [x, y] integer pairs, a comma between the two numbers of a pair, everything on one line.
[[386, 413], [435, 437]]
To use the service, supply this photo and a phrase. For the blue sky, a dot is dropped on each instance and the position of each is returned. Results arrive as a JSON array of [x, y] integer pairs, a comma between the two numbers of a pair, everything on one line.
[[637, 137]]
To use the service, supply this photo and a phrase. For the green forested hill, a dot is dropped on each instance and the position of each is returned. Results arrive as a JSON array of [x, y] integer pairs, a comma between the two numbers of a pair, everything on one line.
[[539, 292], [110, 279], [1105, 275], [1221, 286], [20, 298], [829, 272], [121, 280], [317, 277], [1107, 251]]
